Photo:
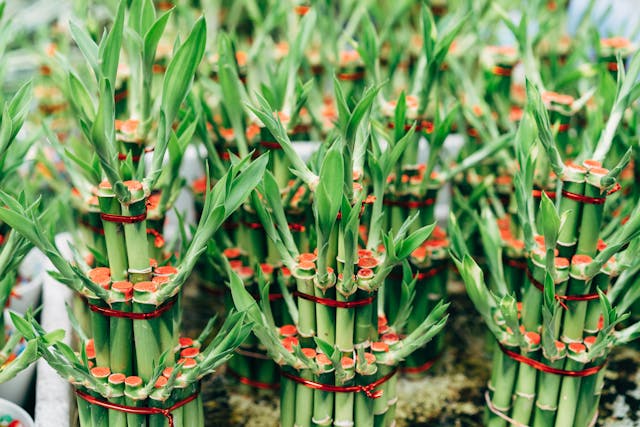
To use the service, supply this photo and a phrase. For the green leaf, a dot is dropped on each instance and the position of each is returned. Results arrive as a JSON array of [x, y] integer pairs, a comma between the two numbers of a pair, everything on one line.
[[86, 45], [152, 38], [110, 47]]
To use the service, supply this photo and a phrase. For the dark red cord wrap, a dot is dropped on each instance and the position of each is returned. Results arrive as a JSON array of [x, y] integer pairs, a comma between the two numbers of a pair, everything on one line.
[[121, 219], [271, 145], [423, 275], [501, 71], [537, 194], [424, 125], [252, 383], [409, 204], [548, 369], [165, 412], [590, 200], [561, 298], [422, 368], [359, 75], [109, 312], [368, 390], [516, 263], [333, 303]]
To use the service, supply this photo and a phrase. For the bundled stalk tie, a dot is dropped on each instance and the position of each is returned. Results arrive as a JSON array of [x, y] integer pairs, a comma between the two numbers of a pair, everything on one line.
[[501, 71], [591, 200], [516, 263], [166, 412], [409, 204], [110, 312], [123, 219], [501, 414], [120, 96], [369, 389], [537, 194], [562, 298], [351, 77], [548, 369], [93, 228], [295, 227], [252, 383], [271, 145], [334, 303], [422, 368]]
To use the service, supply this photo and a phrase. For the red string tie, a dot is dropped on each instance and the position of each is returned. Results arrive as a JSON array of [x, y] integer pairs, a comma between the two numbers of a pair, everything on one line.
[[422, 368], [358, 75], [271, 145], [409, 204], [333, 303], [591, 200], [165, 412], [562, 298], [121, 219], [252, 383], [537, 194], [110, 312], [501, 71], [369, 390], [548, 369]]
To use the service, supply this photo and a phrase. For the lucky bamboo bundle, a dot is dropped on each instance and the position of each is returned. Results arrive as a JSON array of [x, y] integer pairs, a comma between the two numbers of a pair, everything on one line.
[[554, 342]]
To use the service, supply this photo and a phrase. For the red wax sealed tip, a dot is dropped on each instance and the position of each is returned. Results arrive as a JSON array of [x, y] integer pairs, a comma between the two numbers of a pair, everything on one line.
[[365, 273], [591, 163], [185, 342], [165, 270], [167, 372], [561, 262], [161, 382], [188, 363], [322, 359], [100, 372], [235, 264], [380, 347], [306, 265], [420, 252], [364, 253], [123, 287], [533, 337], [105, 185], [560, 345], [589, 341], [145, 287], [581, 259], [347, 362], [266, 268], [160, 280], [390, 338], [189, 353], [307, 257], [367, 262], [153, 263], [309, 352], [285, 271], [577, 347], [117, 378], [232, 253], [288, 330], [133, 381], [370, 358], [133, 185]]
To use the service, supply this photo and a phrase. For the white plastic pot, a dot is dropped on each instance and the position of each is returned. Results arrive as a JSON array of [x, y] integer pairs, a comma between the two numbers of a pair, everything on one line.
[[28, 290], [17, 389], [16, 412]]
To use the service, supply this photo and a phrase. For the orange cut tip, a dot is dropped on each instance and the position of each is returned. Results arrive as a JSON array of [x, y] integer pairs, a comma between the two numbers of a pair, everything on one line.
[[90, 344], [189, 353], [599, 171], [390, 338], [153, 263], [577, 347], [188, 362], [100, 372], [370, 358], [561, 262], [289, 342], [161, 382], [533, 337], [122, 287], [347, 362], [133, 185], [99, 272], [245, 271], [367, 262], [167, 372], [285, 271], [185, 342], [288, 330], [232, 253], [581, 259], [560, 345], [539, 239], [235, 264], [117, 378], [165, 270], [306, 265], [145, 287], [322, 359], [309, 352], [133, 381], [591, 340], [160, 280], [519, 305], [365, 273], [105, 185], [379, 347], [364, 253], [307, 257], [601, 245], [267, 268]]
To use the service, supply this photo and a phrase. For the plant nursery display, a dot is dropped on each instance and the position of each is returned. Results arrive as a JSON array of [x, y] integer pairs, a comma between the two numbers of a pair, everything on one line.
[[320, 213]]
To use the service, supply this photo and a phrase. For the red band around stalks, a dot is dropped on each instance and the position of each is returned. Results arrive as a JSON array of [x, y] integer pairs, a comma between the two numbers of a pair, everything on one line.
[[299, 228], [548, 369], [501, 71], [423, 275], [563, 127], [424, 125], [123, 156], [271, 145], [368, 389], [409, 204], [590, 200], [333, 303], [121, 219], [165, 412], [515, 263], [537, 194], [252, 383], [422, 368], [350, 76], [120, 96], [561, 298], [109, 312], [612, 66]]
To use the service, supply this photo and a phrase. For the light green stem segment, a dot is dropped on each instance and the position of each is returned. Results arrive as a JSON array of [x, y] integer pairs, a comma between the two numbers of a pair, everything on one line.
[[304, 401], [117, 418], [589, 400], [345, 318], [114, 236], [287, 402], [363, 408], [120, 339], [84, 412], [306, 309], [325, 316], [99, 415], [525, 393], [567, 236], [575, 315], [547, 398], [323, 402], [146, 340], [137, 245], [100, 330], [344, 406], [502, 388], [591, 223], [569, 394]]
